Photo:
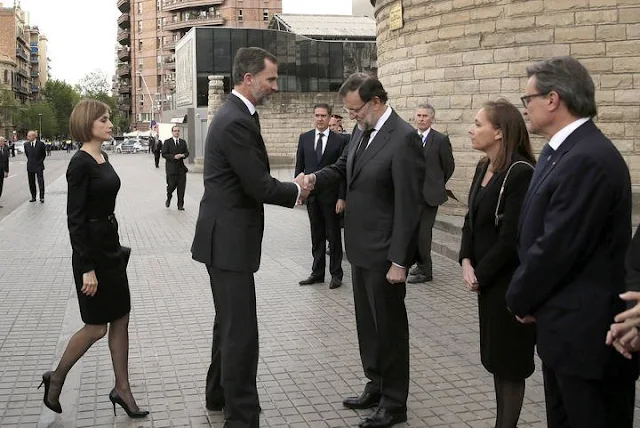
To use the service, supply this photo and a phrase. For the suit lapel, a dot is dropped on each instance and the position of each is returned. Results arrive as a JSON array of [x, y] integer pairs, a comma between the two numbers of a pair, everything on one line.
[[245, 110], [353, 146], [474, 191], [378, 142]]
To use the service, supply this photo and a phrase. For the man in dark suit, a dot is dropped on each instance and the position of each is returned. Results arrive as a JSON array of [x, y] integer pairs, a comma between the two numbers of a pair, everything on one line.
[[175, 151], [316, 149], [229, 230], [4, 163], [36, 153], [439, 166], [573, 235], [384, 171]]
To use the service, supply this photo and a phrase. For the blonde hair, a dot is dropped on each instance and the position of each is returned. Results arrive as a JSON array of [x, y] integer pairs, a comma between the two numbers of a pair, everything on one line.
[[82, 117]]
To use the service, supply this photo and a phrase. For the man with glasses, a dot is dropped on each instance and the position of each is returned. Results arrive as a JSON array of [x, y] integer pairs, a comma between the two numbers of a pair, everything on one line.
[[575, 227], [384, 169]]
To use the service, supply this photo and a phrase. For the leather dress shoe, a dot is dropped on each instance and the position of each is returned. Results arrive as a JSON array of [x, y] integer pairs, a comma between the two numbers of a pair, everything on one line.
[[335, 283], [180, 208], [311, 280], [365, 401], [416, 279], [32, 200], [167, 202], [218, 407], [383, 418], [41, 199], [415, 270]]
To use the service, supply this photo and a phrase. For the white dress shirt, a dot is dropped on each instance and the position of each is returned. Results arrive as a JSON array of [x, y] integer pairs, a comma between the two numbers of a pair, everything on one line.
[[424, 135], [325, 138], [559, 137]]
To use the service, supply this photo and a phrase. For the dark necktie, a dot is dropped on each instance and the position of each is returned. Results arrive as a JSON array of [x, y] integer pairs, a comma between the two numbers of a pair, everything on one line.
[[543, 162], [176, 142], [363, 144], [256, 118], [319, 147]]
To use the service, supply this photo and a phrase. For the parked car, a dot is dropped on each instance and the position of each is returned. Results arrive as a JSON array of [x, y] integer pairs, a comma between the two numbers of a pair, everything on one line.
[[108, 146], [129, 146], [19, 146]]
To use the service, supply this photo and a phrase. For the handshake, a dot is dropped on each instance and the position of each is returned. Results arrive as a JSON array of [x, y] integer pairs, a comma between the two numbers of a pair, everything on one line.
[[306, 183]]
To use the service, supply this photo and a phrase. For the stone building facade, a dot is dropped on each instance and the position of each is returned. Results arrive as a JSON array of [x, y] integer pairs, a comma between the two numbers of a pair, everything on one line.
[[455, 54]]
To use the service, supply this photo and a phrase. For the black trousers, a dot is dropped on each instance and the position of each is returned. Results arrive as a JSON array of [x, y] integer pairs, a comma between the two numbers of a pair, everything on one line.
[[383, 336], [1, 181], [32, 183], [582, 403], [325, 226], [156, 157], [425, 237], [177, 181], [231, 379]]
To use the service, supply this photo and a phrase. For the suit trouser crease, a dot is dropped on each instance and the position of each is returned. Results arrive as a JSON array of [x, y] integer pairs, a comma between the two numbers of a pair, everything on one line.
[[1, 182], [156, 157], [234, 364], [573, 402], [177, 181], [383, 335], [425, 238], [32, 183], [325, 226]]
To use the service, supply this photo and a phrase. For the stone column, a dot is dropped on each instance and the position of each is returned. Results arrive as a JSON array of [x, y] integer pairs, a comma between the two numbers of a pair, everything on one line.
[[216, 99]]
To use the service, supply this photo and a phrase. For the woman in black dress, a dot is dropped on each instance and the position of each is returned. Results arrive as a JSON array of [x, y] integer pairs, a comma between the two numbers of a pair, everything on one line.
[[488, 252], [99, 261]]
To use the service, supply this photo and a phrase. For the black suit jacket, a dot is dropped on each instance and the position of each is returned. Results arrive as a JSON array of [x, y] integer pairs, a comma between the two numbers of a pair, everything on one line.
[[384, 191], [492, 249], [169, 150], [4, 159], [439, 167], [307, 161], [574, 232], [35, 156], [237, 183]]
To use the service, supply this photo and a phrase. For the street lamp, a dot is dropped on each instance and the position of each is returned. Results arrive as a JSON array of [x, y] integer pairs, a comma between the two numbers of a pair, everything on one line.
[[40, 120], [144, 82]]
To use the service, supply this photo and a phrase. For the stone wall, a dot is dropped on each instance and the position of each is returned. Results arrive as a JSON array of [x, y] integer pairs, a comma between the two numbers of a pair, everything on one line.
[[455, 54]]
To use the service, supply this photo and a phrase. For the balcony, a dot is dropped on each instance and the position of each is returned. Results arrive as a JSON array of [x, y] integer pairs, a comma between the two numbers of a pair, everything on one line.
[[123, 20], [199, 21], [24, 73], [21, 89], [124, 37], [124, 88], [170, 45], [124, 5], [168, 5], [125, 107], [35, 59], [124, 54], [124, 70], [35, 74], [35, 89], [21, 54]]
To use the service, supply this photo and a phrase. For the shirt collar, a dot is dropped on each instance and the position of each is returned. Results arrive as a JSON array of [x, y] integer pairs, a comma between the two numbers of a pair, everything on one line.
[[250, 106], [325, 132], [425, 133], [380, 123], [559, 137]]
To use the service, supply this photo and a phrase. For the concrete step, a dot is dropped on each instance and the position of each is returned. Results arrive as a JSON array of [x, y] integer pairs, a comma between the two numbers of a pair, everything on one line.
[[447, 233]]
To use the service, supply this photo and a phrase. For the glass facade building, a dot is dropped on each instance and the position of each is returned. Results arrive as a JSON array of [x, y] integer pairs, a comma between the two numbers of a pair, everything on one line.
[[304, 65]]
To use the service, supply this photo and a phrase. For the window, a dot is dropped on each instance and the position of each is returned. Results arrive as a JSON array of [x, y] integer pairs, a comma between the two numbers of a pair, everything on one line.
[[139, 8], [158, 23], [141, 99], [139, 45], [139, 26], [6, 76], [240, 15], [140, 63], [158, 42], [265, 14], [159, 5]]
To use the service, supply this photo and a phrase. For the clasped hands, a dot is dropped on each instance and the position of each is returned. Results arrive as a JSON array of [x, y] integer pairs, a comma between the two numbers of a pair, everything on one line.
[[624, 335]]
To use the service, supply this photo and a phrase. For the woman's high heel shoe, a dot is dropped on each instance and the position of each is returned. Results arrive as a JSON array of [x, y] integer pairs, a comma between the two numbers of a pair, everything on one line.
[[46, 381], [115, 399]]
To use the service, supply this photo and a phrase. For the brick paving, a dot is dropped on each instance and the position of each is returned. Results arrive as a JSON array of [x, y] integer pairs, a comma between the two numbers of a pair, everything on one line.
[[308, 347]]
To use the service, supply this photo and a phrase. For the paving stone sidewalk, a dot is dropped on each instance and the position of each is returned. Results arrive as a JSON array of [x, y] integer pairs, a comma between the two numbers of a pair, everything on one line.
[[308, 347]]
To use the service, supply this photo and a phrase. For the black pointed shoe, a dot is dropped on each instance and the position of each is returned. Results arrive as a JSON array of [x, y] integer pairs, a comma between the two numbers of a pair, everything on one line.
[[364, 401], [383, 418], [311, 280]]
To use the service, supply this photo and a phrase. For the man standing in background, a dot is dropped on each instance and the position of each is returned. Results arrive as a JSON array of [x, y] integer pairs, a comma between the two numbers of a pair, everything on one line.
[[36, 152], [316, 149], [175, 151], [439, 166], [4, 163]]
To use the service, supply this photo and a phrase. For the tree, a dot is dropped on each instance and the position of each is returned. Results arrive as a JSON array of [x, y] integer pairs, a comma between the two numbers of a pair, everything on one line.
[[61, 97], [96, 85], [10, 110], [33, 115]]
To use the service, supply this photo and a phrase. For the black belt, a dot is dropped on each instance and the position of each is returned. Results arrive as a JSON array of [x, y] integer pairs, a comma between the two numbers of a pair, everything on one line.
[[110, 218]]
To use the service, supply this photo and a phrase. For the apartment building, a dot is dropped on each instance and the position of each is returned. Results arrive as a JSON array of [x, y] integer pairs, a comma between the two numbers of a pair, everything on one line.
[[148, 32]]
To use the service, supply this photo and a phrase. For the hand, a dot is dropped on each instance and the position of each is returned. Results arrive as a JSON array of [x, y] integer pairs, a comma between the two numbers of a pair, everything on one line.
[[310, 181], [527, 319], [630, 313], [178, 156], [624, 336], [396, 274], [89, 283], [304, 192], [469, 275], [340, 205]]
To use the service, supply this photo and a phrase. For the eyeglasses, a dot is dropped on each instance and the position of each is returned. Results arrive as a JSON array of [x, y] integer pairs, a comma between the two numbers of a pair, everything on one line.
[[525, 100], [355, 111]]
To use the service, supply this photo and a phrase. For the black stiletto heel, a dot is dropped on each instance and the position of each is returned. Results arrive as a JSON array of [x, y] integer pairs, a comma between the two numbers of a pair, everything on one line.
[[115, 399], [46, 381]]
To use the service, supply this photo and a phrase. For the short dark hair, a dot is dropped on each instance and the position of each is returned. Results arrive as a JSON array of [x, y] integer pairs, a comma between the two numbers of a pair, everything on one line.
[[325, 106], [174, 127], [250, 60], [337, 116], [570, 80], [367, 86]]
